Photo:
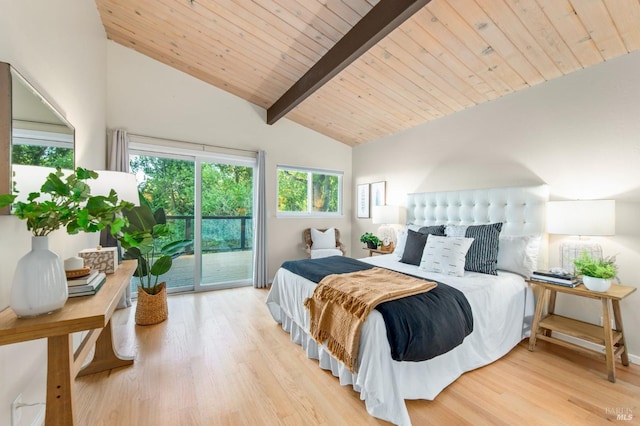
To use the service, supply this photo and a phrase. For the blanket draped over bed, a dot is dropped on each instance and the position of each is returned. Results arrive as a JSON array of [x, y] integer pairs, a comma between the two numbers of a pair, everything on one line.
[[341, 302], [419, 327]]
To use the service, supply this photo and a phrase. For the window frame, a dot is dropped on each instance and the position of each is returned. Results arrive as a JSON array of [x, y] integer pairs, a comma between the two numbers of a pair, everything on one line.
[[310, 172]]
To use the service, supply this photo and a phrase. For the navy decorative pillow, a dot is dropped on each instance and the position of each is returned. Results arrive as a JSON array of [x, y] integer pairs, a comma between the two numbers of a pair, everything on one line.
[[483, 254], [414, 247], [433, 230]]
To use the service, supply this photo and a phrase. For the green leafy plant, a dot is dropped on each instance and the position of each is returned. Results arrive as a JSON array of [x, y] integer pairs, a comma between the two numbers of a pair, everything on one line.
[[368, 237], [67, 202], [141, 237], [597, 268]]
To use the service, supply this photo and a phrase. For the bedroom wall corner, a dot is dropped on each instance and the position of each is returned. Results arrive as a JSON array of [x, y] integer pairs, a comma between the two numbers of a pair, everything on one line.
[[578, 134], [60, 47]]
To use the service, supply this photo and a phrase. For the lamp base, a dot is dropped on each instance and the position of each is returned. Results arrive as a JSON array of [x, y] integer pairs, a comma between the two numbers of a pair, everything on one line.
[[571, 251]]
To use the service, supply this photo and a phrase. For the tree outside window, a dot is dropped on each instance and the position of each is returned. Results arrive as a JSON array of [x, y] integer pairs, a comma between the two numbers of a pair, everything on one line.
[[303, 192]]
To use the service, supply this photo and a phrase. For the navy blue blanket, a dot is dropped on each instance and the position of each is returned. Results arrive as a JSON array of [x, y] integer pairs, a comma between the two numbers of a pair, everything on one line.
[[419, 327]]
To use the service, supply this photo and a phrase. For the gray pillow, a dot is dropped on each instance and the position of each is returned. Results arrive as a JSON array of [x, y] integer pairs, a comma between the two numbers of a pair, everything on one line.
[[414, 247], [433, 230]]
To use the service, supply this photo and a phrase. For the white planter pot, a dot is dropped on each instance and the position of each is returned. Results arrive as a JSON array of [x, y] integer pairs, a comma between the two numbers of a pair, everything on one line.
[[596, 284], [39, 284]]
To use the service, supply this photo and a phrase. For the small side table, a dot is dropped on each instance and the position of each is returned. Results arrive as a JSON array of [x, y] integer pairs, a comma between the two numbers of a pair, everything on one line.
[[612, 339], [376, 251]]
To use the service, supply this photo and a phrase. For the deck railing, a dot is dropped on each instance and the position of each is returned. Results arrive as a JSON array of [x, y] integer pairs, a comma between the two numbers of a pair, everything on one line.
[[219, 233]]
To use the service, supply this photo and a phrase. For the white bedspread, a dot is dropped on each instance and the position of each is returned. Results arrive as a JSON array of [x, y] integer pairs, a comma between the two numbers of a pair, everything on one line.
[[499, 304]]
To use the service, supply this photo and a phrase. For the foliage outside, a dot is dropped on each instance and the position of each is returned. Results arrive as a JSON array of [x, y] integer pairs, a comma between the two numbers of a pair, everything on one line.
[[597, 268], [67, 203], [227, 199], [294, 191], [40, 155], [139, 239]]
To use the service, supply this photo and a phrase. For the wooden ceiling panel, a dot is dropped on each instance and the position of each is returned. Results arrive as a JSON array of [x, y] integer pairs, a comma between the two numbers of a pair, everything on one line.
[[451, 55]]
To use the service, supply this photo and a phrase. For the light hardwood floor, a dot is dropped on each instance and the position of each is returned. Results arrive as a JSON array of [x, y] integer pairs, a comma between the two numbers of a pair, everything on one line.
[[221, 360]]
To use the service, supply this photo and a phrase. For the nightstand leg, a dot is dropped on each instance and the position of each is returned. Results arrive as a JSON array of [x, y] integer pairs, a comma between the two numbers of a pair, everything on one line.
[[551, 308], [624, 356], [608, 340], [536, 318]]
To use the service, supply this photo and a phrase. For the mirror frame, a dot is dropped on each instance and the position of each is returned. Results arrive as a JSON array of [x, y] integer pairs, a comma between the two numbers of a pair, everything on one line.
[[6, 125]]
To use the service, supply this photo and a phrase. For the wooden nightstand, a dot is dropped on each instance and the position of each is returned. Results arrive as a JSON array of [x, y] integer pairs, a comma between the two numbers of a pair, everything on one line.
[[377, 251], [611, 339]]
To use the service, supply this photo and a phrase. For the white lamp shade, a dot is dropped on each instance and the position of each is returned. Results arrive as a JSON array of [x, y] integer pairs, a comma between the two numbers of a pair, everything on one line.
[[582, 217], [29, 179], [125, 185], [389, 215]]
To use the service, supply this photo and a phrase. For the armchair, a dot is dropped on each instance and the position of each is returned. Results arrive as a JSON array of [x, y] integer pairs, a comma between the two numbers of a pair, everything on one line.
[[325, 244]]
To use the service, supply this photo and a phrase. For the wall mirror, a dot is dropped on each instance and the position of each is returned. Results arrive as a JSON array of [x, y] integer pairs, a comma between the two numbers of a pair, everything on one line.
[[32, 131]]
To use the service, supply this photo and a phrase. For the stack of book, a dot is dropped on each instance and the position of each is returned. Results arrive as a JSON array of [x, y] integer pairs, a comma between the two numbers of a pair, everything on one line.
[[87, 285], [563, 279]]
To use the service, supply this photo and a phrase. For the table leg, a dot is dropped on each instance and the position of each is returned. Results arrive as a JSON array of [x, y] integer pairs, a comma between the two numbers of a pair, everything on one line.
[[60, 382], [536, 318], [551, 308], [624, 356], [105, 356], [608, 340]]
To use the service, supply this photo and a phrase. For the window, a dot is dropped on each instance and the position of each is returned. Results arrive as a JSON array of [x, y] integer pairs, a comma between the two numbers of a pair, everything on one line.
[[309, 192]]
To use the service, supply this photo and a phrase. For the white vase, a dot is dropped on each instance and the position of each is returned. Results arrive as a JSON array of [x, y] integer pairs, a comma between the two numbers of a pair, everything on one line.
[[39, 284], [596, 284]]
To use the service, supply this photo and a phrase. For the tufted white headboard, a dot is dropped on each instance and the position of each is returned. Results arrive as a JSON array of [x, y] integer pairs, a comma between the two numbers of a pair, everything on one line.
[[522, 209]]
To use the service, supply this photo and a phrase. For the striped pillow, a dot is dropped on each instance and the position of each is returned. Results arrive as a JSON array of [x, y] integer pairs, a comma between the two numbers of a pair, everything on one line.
[[483, 254]]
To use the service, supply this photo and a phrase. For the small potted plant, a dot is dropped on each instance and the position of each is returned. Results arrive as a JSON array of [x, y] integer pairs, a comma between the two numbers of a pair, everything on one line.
[[40, 284], [141, 238], [596, 273], [370, 240]]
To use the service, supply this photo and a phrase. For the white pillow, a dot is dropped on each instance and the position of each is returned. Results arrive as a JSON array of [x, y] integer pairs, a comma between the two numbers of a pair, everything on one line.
[[323, 240], [401, 239], [455, 230], [445, 255], [518, 254], [317, 254]]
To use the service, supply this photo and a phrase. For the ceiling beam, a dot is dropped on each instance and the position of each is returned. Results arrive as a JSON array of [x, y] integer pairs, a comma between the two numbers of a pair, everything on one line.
[[383, 18]]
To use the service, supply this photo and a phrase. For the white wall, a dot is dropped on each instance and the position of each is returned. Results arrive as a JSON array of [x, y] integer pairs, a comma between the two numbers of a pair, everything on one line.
[[580, 134], [151, 99], [60, 47]]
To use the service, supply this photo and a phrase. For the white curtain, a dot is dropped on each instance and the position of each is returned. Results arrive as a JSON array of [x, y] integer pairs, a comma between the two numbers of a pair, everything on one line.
[[260, 264], [118, 160]]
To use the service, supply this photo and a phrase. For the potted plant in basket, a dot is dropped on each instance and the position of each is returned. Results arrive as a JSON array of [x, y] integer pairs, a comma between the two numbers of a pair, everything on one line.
[[596, 273], [40, 284], [141, 238], [370, 240]]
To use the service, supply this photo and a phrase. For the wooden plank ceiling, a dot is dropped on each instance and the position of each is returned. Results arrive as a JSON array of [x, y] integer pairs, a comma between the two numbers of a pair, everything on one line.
[[451, 55]]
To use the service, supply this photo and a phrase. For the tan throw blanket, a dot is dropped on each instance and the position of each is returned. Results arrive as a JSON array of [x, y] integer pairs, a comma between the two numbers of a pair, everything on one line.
[[341, 302]]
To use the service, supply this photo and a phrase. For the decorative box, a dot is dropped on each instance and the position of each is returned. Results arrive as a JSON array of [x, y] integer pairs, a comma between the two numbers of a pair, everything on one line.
[[104, 259]]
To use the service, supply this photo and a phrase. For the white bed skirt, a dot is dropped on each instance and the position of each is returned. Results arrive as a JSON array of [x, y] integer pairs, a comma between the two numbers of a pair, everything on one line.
[[383, 383]]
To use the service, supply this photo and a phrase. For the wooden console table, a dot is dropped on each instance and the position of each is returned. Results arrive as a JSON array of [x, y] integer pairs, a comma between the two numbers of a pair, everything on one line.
[[63, 364]]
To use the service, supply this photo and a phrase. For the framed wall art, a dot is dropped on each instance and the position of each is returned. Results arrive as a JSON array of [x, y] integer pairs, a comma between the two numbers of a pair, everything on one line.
[[378, 196], [363, 201]]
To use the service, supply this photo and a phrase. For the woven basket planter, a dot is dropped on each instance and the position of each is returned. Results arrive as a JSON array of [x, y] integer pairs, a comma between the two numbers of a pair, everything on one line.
[[152, 308]]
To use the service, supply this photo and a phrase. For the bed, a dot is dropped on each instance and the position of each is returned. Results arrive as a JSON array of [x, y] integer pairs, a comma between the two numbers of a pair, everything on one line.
[[502, 304]]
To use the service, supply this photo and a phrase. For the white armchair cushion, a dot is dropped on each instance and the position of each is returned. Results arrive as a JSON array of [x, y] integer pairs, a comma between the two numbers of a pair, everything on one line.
[[316, 254]]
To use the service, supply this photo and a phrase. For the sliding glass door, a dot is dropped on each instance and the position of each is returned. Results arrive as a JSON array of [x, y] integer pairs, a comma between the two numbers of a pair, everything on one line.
[[226, 223], [207, 199]]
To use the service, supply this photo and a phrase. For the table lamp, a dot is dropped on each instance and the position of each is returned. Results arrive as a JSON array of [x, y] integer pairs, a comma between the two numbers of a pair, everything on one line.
[[580, 218], [387, 216]]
